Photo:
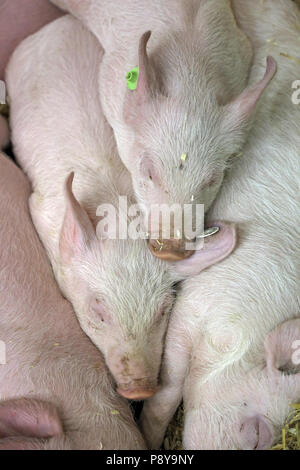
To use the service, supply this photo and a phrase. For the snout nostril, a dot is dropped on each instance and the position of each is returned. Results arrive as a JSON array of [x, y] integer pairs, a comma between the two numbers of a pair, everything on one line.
[[137, 395], [138, 389], [170, 251]]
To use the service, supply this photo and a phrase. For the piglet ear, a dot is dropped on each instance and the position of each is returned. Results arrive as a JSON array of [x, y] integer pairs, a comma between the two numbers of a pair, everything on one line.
[[29, 418], [135, 99], [215, 249], [255, 434], [77, 229], [282, 348], [145, 76], [242, 108]]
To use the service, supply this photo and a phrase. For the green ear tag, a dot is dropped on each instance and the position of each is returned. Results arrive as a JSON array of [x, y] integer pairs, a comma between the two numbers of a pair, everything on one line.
[[132, 78]]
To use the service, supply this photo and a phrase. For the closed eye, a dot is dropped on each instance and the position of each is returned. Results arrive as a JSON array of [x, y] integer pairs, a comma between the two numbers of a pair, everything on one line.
[[212, 181], [97, 306]]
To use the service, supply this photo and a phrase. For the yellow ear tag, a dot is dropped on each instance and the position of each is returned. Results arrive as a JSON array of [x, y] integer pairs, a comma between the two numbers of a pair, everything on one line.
[[183, 157]]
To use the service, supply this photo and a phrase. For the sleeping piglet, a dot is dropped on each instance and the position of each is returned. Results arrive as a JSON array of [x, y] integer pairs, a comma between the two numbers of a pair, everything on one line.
[[121, 294], [55, 390], [191, 108], [233, 342]]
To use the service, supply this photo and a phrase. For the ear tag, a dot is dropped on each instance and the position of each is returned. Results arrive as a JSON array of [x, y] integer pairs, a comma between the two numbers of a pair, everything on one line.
[[132, 78], [183, 159]]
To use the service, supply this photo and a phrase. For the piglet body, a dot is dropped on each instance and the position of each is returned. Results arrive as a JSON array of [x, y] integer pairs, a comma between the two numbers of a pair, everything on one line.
[[121, 294], [191, 109], [55, 390]]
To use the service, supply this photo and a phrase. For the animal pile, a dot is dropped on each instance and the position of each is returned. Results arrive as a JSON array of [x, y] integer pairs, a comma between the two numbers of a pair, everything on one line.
[[119, 109]]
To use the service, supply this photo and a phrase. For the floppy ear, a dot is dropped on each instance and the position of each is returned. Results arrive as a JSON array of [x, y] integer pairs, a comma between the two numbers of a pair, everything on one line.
[[282, 348], [255, 434], [30, 418], [215, 249], [242, 108], [77, 229], [137, 99]]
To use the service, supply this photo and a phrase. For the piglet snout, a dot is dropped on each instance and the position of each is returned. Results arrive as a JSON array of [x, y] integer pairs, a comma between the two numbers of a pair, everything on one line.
[[138, 389], [170, 250]]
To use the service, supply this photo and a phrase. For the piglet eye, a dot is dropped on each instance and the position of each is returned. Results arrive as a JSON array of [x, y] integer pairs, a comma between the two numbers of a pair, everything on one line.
[[160, 315], [162, 311], [212, 181], [148, 170], [98, 308], [165, 307]]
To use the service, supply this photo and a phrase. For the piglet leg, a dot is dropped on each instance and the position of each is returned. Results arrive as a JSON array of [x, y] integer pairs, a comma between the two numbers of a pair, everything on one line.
[[159, 410]]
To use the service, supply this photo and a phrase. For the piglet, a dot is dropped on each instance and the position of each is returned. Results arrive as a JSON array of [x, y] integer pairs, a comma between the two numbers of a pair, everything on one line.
[[232, 348], [121, 294], [179, 125], [19, 19], [55, 390]]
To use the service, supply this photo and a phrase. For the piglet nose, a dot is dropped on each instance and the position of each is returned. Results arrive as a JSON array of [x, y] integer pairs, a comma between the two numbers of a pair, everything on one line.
[[137, 394], [169, 250], [138, 389]]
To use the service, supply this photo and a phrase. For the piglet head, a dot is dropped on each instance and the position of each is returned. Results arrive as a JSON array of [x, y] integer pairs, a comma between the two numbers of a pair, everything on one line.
[[247, 407], [122, 296], [277, 389], [182, 142]]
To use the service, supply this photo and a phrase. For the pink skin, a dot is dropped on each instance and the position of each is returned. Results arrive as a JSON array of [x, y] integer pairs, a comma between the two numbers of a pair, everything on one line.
[[212, 252], [148, 101], [56, 392], [27, 424], [192, 97], [121, 294], [30, 418], [19, 19], [240, 408], [135, 374], [253, 401], [159, 410], [237, 390]]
